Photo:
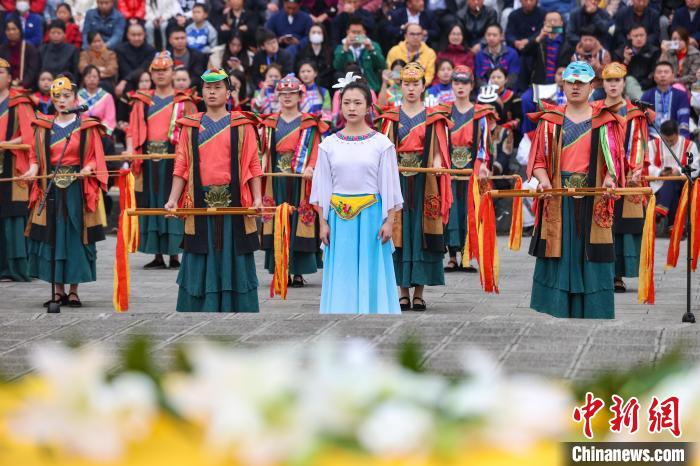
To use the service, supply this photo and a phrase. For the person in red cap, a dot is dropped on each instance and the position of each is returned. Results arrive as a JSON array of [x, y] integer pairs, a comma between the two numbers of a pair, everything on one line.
[[290, 146], [153, 130]]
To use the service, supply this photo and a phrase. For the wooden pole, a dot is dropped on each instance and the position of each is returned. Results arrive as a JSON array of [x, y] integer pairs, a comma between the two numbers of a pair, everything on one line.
[[568, 192], [196, 211], [10, 146], [127, 157], [282, 175], [58, 175], [666, 178], [437, 171]]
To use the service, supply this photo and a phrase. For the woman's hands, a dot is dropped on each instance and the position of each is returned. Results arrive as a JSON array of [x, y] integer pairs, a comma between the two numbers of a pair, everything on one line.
[[86, 171], [325, 232], [387, 229], [484, 172], [33, 170]]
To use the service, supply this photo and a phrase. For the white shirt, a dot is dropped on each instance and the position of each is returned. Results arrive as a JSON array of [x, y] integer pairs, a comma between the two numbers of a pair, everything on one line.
[[412, 19], [667, 159], [357, 167]]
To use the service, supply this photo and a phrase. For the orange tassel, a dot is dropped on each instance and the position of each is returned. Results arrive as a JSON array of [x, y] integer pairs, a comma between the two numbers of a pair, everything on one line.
[[646, 293], [281, 243], [516, 220], [471, 243], [695, 221], [488, 247], [678, 227], [127, 241]]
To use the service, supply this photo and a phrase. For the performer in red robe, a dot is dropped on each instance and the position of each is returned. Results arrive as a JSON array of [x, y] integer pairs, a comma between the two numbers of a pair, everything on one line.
[[217, 165], [16, 115]]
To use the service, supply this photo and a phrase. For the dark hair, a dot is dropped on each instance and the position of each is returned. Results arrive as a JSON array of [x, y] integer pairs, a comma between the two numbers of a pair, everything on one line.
[[494, 25], [588, 30], [669, 128], [683, 32], [637, 26], [497, 68], [203, 6], [397, 62], [356, 20], [57, 24], [14, 19], [442, 61], [90, 68], [240, 76], [264, 35], [663, 63], [176, 28], [276, 66], [137, 24], [38, 76], [242, 55], [360, 85], [67, 7], [92, 34], [311, 63], [181, 68]]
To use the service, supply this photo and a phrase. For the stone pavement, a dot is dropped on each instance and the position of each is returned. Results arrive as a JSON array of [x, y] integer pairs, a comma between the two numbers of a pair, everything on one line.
[[459, 315]]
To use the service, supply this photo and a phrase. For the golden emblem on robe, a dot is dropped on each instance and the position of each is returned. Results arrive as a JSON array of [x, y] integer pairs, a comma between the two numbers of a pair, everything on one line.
[[410, 160], [218, 196], [461, 156], [65, 176], [284, 162]]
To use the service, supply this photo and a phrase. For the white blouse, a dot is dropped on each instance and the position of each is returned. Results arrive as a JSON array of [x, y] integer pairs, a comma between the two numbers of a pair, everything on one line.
[[368, 166]]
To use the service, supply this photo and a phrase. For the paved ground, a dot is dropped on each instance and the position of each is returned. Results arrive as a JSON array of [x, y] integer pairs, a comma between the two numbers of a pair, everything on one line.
[[460, 314]]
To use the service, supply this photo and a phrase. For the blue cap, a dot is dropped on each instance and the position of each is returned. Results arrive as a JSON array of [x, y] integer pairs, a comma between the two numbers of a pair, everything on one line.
[[578, 71]]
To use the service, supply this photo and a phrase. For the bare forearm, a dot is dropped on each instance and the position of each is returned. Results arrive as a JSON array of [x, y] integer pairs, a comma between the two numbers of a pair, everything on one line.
[[177, 188]]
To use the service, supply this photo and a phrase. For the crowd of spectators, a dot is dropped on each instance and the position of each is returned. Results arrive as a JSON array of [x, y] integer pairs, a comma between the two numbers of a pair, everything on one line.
[[516, 45]]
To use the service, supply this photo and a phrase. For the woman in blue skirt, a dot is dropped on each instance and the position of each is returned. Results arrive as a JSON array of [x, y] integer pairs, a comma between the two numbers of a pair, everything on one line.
[[356, 190]]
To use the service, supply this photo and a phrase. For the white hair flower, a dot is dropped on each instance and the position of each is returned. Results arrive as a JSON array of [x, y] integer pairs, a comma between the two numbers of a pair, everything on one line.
[[342, 82]]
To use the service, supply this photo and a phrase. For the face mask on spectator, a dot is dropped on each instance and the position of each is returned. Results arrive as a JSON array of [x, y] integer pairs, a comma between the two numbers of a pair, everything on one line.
[[316, 38], [22, 7]]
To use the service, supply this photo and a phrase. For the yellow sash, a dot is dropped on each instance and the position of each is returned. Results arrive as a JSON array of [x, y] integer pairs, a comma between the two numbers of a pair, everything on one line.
[[349, 207]]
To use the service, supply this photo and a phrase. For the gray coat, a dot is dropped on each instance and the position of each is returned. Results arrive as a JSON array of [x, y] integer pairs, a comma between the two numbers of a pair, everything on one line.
[[691, 64]]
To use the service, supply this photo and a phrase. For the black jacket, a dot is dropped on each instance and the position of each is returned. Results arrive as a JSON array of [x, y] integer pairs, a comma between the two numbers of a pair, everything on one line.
[[600, 21], [197, 65], [131, 59], [323, 62], [538, 52], [399, 17], [625, 19], [260, 62], [475, 25], [642, 64], [59, 58]]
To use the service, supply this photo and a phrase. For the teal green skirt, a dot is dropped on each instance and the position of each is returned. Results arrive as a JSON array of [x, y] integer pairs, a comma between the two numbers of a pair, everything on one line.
[[157, 234], [413, 265], [220, 280], [13, 249], [456, 229], [75, 261], [628, 249], [300, 263], [571, 286]]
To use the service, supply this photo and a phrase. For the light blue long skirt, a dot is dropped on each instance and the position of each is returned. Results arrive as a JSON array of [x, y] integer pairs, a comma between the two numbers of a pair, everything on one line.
[[358, 271]]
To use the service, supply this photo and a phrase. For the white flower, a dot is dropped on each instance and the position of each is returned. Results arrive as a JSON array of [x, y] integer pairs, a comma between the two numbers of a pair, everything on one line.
[[82, 413], [397, 428], [342, 82]]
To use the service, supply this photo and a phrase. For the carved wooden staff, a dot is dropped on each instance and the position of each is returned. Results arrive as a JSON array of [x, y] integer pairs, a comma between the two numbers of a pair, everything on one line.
[[567, 192], [127, 157], [666, 178], [437, 171], [59, 175], [10, 146], [197, 211]]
